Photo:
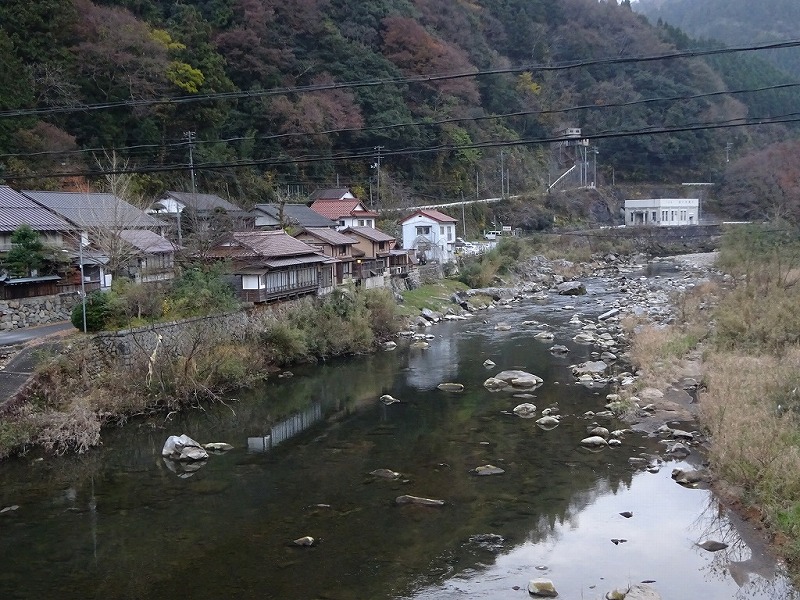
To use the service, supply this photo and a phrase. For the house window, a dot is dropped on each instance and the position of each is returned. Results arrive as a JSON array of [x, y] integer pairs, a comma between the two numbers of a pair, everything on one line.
[[449, 233], [441, 229], [341, 222], [326, 277], [631, 217], [655, 217], [423, 230], [361, 222]]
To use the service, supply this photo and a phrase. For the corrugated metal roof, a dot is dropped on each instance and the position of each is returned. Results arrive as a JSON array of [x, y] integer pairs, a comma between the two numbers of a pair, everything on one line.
[[94, 209], [300, 214], [331, 194], [276, 263], [16, 210], [147, 241], [203, 202]]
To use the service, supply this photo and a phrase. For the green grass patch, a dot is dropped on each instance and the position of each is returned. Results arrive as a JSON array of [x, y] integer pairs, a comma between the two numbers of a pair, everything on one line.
[[434, 296]]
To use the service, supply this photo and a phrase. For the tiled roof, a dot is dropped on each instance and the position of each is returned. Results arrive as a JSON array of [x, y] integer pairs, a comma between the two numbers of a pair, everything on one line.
[[203, 202], [265, 244], [94, 209], [330, 236], [432, 214], [295, 213], [334, 209], [147, 241], [16, 210], [370, 233]]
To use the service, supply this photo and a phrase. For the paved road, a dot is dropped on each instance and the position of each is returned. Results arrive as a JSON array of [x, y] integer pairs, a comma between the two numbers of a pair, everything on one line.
[[27, 334], [24, 348]]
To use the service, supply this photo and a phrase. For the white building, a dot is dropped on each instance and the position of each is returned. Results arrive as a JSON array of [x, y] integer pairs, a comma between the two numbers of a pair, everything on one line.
[[431, 234], [662, 211]]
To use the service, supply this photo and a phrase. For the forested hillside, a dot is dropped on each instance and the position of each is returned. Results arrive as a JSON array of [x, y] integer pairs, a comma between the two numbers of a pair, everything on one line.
[[734, 22], [437, 96]]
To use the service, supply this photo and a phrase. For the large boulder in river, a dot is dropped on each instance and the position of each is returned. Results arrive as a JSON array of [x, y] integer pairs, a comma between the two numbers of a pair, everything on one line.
[[183, 448], [571, 288], [542, 588], [590, 367], [518, 378]]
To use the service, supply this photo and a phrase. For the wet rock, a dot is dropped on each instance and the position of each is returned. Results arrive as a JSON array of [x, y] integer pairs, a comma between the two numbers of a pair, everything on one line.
[[451, 387], [183, 448], [583, 338], [596, 367], [690, 477], [544, 336], [626, 513], [542, 588], [594, 441], [548, 422], [488, 363], [614, 443], [608, 314], [502, 327], [558, 349], [218, 447], [305, 541], [8, 509], [385, 474], [406, 499], [682, 435], [571, 288], [493, 384], [526, 410], [519, 378], [642, 591], [389, 345], [420, 345], [599, 431], [713, 545], [431, 315], [486, 470], [678, 450], [388, 399]]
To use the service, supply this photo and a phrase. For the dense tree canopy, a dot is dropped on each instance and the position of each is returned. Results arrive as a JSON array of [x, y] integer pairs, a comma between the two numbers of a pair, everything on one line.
[[307, 93]]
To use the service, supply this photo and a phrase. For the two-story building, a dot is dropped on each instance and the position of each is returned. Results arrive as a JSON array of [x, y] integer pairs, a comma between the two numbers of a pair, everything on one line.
[[334, 244], [272, 265], [277, 216], [431, 235], [345, 213], [662, 212]]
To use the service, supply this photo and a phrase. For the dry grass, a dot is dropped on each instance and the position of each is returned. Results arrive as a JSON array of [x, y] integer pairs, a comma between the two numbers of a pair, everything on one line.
[[751, 411]]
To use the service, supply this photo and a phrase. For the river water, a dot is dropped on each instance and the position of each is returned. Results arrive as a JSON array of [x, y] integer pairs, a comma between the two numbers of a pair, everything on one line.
[[118, 523]]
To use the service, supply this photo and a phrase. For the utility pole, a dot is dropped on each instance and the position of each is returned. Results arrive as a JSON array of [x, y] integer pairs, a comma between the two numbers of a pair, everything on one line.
[[728, 147], [595, 151], [377, 166], [463, 214], [189, 135], [502, 175]]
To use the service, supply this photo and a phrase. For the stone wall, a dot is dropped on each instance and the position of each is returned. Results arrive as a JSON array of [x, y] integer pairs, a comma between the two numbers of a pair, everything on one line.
[[131, 347], [39, 310]]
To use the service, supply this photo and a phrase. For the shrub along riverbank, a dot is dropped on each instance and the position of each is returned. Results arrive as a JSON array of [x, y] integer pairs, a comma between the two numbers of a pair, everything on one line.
[[76, 392]]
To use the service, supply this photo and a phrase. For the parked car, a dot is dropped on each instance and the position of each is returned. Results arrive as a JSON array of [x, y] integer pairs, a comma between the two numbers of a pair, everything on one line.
[[492, 235]]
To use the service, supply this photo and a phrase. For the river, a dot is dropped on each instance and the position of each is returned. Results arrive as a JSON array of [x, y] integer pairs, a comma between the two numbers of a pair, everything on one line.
[[118, 523]]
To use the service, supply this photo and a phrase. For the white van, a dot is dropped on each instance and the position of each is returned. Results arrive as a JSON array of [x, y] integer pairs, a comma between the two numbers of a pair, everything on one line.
[[492, 235]]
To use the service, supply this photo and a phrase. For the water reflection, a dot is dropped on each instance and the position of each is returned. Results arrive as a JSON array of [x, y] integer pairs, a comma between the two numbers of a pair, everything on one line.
[[303, 452], [286, 429]]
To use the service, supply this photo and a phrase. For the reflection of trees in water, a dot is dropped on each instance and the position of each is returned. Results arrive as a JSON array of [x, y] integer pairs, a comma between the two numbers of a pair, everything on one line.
[[756, 575]]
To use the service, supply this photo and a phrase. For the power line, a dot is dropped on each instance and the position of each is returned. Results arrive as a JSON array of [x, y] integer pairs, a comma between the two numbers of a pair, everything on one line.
[[367, 154], [182, 144], [394, 80]]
